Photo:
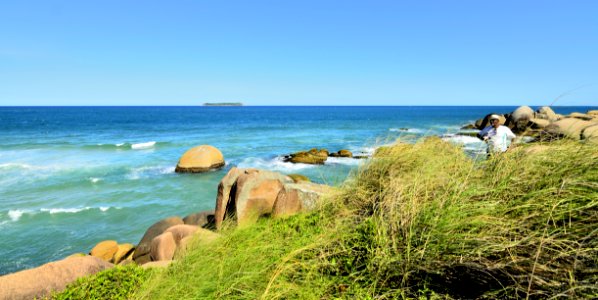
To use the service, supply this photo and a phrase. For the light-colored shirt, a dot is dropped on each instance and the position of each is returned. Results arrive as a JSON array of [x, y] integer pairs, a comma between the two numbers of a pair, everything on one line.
[[499, 138]]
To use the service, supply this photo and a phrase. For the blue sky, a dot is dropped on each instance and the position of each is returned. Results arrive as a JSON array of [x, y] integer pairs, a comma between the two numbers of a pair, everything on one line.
[[298, 52]]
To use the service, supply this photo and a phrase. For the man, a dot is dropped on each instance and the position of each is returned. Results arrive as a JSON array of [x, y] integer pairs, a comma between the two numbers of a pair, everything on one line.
[[498, 137]]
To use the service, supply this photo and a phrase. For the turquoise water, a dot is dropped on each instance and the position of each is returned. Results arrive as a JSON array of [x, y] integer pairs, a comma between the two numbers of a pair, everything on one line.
[[73, 176]]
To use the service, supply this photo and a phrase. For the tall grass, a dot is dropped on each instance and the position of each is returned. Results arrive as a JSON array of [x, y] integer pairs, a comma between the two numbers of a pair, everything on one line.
[[420, 220]]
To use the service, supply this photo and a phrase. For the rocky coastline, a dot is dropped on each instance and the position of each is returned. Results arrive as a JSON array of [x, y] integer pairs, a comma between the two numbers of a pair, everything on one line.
[[244, 196]]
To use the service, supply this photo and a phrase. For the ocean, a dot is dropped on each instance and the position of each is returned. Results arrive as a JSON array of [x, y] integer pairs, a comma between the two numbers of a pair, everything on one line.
[[71, 177]]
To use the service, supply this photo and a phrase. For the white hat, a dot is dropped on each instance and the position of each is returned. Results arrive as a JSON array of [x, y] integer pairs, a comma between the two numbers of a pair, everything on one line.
[[494, 117]]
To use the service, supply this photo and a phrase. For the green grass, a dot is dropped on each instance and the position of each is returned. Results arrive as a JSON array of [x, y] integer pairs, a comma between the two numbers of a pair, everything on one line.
[[419, 221], [120, 282]]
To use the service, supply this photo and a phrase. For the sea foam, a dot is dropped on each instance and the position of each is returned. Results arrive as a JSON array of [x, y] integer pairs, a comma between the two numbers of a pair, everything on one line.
[[274, 164], [146, 145]]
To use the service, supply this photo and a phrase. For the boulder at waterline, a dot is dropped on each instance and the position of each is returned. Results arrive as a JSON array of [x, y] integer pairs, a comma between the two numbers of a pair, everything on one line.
[[297, 197], [321, 152], [342, 153], [163, 247], [299, 178], [204, 219], [569, 127], [105, 250], [251, 195], [485, 122], [306, 158], [51, 277], [125, 251], [200, 159], [142, 251]]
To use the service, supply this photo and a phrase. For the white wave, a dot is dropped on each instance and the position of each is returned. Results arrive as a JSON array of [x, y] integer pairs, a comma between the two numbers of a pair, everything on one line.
[[63, 210], [104, 208], [410, 130], [16, 214], [461, 139], [94, 179], [146, 145], [119, 144], [140, 172], [21, 166], [343, 161], [275, 164]]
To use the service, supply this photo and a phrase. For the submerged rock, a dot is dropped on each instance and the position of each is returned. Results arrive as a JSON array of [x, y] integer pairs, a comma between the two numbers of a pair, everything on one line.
[[200, 159], [299, 178], [305, 157]]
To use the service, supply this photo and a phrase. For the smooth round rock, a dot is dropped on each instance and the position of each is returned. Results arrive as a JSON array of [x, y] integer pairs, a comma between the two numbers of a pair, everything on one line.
[[105, 250], [200, 159]]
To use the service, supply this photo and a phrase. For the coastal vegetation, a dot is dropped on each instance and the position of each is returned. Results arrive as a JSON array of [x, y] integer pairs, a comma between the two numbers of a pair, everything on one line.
[[419, 220]]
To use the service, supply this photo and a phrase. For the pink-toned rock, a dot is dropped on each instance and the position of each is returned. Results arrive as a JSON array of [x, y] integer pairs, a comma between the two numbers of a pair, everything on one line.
[[105, 250], [246, 194], [297, 197], [204, 219], [569, 127], [163, 247], [181, 231], [142, 251], [52, 277], [200, 237]]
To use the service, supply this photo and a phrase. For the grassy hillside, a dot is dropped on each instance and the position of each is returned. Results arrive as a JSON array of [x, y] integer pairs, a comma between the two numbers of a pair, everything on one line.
[[420, 220]]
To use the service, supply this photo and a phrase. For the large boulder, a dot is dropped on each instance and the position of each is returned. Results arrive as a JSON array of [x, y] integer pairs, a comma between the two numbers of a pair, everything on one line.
[[124, 252], [342, 153], [204, 219], [548, 112], [40, 282], [200, 159], [163, 247], [105, 250], [181, 231], [142, 251], [520, 118], [251, 195], [201, 236], [593, 113], [568, 127], [539, 123], [297, 197], [590, 133], [321, 152], [224, 189]]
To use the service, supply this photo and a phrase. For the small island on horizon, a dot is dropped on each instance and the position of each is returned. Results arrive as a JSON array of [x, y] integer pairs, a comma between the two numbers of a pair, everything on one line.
[[223, 104]]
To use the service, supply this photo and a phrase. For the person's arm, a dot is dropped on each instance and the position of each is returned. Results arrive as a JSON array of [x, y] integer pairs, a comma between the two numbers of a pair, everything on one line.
[[484, 133], [510, 134]]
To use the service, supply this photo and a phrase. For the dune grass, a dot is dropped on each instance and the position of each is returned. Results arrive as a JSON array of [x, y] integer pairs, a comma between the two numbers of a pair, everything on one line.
[[419, 221]]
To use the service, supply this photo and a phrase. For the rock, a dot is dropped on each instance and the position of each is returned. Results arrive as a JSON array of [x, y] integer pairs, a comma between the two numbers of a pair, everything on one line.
[[539, 123], [40, 282], [297, 197], [469, 126], [204, 219], [224, 189], [200, 159], [181, 231], [581, 116], [255, 195], [76, 255], [251, 195], [201, 236], [548, 113], [299, 178], [345, 153], [105, 250], [306, 158], [593, 113], [321, 152], [163, 247], [590, 133], [157, 264], [569, 127], [520, 118], [142, 250], [124, 252]]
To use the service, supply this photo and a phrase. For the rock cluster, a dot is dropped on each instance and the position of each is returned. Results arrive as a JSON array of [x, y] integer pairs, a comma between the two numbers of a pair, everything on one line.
[[545, 124], [318, 156]]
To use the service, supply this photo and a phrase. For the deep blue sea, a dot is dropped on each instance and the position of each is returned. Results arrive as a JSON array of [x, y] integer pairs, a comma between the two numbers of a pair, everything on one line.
[[73, 176]]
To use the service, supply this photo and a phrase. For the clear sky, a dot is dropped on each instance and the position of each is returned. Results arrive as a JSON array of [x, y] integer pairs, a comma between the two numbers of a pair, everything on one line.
[[298, 52]]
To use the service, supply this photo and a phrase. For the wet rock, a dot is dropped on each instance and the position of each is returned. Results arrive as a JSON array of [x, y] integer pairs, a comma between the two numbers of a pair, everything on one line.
[[200, 159]]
